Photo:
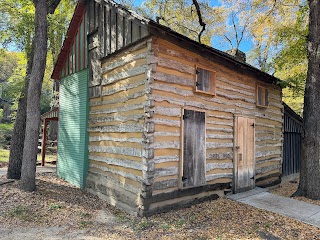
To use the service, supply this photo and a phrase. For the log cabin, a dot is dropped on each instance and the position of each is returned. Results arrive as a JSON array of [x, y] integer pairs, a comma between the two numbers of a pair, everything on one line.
[[151, 120]]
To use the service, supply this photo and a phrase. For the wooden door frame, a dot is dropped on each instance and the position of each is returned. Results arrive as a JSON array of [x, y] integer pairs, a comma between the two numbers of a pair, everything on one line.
[[235, 156], [180, 175]]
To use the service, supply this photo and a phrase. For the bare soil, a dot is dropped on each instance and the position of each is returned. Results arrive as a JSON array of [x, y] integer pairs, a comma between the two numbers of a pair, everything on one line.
[[59, 211]]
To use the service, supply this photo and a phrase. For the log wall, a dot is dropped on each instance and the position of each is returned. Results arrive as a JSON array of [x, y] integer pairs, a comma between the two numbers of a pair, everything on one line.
[[119, 130], [173, 90]]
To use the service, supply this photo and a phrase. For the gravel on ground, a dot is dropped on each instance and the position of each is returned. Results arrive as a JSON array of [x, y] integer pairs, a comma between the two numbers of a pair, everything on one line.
[[70, 213]]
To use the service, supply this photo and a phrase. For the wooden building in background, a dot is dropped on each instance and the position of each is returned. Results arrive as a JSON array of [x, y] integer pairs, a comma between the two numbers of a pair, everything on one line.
[[151, 120]]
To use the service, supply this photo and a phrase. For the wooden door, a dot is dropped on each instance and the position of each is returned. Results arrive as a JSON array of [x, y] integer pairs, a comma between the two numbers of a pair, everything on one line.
[[193, 170], [244, 154]]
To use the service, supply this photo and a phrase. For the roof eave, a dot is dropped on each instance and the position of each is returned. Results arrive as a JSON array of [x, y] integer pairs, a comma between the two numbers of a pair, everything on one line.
[[74, 24]]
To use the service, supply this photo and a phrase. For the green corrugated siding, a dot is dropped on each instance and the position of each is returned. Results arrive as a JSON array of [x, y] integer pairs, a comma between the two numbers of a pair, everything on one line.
[[73, 137]]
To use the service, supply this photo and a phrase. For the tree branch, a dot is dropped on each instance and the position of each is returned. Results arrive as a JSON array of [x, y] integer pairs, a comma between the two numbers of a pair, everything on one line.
[[229, 40], [202, 24], [52, 5]]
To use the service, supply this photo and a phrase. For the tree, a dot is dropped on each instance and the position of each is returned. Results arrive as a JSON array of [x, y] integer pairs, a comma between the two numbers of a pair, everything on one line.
[[187, 17], [42, 9], [17, 31], [310, 163]]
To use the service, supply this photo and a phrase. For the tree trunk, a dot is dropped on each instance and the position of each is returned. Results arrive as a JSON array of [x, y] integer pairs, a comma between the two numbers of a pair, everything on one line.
[[310, 158], [33, 103], [17, 142]]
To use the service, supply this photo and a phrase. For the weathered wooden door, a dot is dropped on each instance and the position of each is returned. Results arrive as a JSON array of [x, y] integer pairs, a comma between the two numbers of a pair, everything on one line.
[[244, 154], [194, 141]]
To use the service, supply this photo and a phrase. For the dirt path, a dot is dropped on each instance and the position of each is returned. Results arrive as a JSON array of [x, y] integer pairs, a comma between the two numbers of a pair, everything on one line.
[[59, 211]]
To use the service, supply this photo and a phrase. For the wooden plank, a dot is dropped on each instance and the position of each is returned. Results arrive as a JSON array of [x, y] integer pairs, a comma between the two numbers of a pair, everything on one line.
[[193, 148], [120, 31], [91, 15], [113, 31], [135, 31], [128, 31], [244, 151]]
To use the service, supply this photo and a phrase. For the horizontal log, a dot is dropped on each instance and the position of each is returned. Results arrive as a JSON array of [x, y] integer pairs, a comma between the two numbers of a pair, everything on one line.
[[165, 145], [166, 50], [211, 166], [170, 183], [272, 159], [189, 93], [174, 134], [118, 128], [167, 122], [169, 78], [116, 150], [212, 145], [215, 115], [267, 169], [236, 90], [133, 48], [183, 102], [125, 74], [117, 118], [219, 136], [236, 84], [113, 139], [121, 173], [119, 100], [120, 162], [259, 124], [218, 175], [124, 60], [168, 111], [96, 177], [234, 97], [267, 153], [220, 129], [264, 138], [169, 158], [279, 144], [172, 64], [118, 109], [169, 171], [219, 156], [234, 108], [226, 123]]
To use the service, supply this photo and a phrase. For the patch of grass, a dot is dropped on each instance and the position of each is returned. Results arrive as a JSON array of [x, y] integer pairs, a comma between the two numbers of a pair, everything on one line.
[[144, 225], [165, 226], [20, 212], [85, 215], [4, 155], [179, 223], [55, 206], [121, 217], [6, 126], [85, 223]]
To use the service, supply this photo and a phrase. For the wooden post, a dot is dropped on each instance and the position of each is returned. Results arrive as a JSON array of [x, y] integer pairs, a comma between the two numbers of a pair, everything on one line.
[[44, 142]]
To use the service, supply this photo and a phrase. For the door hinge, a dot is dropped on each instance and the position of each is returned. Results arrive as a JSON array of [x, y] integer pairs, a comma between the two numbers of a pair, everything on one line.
[[252, 178], [253, 125]]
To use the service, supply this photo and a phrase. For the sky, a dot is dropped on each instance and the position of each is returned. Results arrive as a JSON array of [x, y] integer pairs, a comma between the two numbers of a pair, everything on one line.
[[218, 41]]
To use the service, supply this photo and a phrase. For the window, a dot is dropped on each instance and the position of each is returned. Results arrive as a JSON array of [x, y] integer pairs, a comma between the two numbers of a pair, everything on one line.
[[205, 81], [262, 96]]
